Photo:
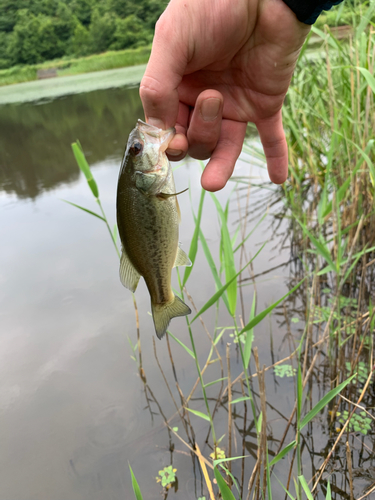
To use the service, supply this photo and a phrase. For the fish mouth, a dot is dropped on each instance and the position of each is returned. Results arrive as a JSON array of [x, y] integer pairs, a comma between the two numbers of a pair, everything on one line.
[[163, 137]]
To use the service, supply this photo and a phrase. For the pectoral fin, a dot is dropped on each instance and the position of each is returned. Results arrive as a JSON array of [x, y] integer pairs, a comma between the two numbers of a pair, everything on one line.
[[182, 259], [129, 276], [178, 211]]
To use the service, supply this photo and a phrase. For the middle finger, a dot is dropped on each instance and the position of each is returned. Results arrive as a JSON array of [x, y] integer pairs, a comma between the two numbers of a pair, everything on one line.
[[205, 124]]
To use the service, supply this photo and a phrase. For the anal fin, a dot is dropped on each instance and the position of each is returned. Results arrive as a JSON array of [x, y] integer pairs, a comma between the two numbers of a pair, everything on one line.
[[182, 259], [129, 276]]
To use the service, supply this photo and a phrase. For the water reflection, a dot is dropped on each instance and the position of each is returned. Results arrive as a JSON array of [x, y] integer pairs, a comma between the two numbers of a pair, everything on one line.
[[34, 156], [73, 410]]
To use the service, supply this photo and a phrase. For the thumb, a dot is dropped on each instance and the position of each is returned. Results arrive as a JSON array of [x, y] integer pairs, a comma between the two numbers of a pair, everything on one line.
[[164, 72]]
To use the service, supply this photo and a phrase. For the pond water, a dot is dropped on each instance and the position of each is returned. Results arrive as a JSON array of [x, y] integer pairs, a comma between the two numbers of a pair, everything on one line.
[[73, 408]]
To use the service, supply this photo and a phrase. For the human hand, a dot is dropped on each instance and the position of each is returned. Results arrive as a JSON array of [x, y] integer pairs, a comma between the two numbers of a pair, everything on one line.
[[215, 65]]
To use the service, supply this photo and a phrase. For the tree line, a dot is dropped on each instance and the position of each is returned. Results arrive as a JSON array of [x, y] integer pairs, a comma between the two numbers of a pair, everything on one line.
[[33, 31]]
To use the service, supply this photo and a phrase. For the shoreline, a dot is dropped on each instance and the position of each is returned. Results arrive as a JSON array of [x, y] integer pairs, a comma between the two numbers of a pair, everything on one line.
[[51, 88]]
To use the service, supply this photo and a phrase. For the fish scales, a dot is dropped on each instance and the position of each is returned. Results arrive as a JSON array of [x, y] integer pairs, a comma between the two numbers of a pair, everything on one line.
[[148, 218], [150, 230]]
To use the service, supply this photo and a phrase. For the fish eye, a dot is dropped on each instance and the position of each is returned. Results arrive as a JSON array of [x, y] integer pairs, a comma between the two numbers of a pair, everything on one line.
[[136, 148]]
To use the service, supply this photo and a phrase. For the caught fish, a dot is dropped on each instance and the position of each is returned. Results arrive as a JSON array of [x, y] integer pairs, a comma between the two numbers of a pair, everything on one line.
[[148, 216]]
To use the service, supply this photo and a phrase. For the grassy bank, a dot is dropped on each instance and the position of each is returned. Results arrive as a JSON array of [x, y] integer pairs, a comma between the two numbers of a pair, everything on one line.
[[346, 14], [75, 66]]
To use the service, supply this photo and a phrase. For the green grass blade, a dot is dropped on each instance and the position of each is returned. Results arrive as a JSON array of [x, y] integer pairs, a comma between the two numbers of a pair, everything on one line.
[[369, 77], [223, 487], [217, 295], [136, 489], [366, 19], [282, 453], [283, 487], [212, 265], [215, 382], [320, 246], [84, 167], [231, 475], [299, 393], [199, 414], [251, 232], [266, 311], [189, 351], [219, 461], [115, 233], [85, 210], [325, 206], [325, 36], [239, 400], [235, 236], [364, 156], [324, 401], [269, 488], [81, 160], [353, 265], [194, 242], [305, 487], [328, 496], [220, 292], [356, 257], [296, 487], [292, 125], [216, 340], [343, 189], [249, 336], [304, 46], [259, 423], [229, 265]]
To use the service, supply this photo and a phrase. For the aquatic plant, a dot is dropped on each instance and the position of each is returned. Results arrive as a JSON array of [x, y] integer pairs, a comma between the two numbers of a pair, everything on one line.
[[167, 476], [284, 371], [327, 311], [359, 422]]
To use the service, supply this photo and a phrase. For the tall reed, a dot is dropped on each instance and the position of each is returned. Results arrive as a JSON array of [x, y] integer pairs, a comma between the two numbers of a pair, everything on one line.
[[329, 203]]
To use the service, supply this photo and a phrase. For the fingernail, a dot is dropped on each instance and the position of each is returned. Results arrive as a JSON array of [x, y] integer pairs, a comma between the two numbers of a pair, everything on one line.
[[174, 152], [156, 122], [210, 109]]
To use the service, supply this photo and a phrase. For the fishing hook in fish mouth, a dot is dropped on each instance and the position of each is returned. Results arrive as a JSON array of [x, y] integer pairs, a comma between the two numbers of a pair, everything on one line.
[[165, 196]]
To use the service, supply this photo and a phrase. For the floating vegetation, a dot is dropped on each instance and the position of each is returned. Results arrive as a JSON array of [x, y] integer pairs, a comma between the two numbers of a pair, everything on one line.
[[167, 476], [359, 422], [284, 371]]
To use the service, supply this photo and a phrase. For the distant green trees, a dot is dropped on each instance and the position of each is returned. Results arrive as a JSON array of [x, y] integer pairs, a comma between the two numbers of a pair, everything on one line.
[[33, 31]]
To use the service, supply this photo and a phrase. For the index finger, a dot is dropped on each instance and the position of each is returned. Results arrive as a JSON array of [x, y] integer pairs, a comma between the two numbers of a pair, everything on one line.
[[164, 71]]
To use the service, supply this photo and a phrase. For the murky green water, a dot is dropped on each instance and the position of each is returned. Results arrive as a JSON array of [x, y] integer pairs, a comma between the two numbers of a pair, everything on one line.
[[73, 410]]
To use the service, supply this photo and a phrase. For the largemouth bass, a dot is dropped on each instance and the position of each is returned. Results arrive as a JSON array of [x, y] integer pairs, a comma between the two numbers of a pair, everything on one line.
[[148, 217]]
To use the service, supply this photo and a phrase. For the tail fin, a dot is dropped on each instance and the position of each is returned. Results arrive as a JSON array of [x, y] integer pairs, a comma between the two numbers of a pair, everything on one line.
[[163, 313]]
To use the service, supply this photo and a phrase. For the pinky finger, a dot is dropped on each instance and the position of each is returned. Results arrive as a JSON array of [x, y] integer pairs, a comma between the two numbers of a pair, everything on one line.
[[221, 165], [272, 135]]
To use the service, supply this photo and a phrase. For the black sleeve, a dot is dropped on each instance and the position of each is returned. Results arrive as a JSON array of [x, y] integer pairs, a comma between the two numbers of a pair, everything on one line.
[[307, 11]]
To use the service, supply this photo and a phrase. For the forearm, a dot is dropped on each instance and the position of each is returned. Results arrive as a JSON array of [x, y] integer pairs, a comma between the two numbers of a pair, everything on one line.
[[307, 11]]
